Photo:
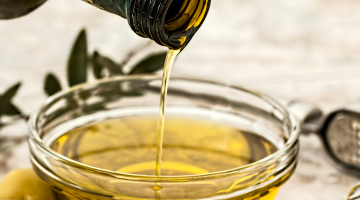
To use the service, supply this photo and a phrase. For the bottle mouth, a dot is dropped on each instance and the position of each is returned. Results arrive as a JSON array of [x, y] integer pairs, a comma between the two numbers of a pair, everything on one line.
[[184, 14], [170, 23]]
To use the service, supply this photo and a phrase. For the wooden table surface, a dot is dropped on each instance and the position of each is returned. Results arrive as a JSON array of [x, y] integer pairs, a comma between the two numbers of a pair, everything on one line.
[[308, 49]]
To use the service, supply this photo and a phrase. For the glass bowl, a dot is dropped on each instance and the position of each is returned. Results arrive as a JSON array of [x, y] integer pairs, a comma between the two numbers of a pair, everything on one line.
[[139, 95]]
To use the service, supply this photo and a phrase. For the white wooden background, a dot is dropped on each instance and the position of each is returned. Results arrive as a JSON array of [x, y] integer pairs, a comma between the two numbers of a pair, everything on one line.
[[307, 49]]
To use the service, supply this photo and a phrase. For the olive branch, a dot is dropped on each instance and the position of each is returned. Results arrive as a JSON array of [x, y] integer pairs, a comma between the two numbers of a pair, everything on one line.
[[79, 64]]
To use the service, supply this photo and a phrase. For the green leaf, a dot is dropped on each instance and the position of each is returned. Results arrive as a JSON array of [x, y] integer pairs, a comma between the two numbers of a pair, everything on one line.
[[12, 110], [132, 94], [94, 108], [5, 100], [111, 92], [111, 66], [77, 63], [96, 65], [102, 62], [150, 64], [52, 84]]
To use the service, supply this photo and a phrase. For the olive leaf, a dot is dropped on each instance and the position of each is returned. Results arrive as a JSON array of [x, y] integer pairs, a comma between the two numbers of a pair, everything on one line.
[[52, 84], [99, 63], [150, 64], [94, 107], [5, 100], [97, 67], [12, 110], [132, 94], [77, 63]]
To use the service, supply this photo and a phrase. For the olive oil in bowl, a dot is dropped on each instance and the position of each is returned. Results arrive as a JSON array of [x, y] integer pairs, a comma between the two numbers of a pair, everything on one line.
[[191, 146]]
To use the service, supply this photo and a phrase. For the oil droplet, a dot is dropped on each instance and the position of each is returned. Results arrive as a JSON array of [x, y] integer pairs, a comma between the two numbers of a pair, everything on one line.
[[156, 188]]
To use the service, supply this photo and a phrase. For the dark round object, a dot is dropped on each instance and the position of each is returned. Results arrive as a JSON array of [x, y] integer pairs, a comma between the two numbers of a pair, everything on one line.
[[10, 9]]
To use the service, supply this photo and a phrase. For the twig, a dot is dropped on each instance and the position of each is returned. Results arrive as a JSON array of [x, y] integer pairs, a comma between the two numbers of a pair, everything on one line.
[[133, 52]]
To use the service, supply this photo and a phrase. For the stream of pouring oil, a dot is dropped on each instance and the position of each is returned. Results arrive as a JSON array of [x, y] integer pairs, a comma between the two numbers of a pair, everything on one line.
[[169, 61]]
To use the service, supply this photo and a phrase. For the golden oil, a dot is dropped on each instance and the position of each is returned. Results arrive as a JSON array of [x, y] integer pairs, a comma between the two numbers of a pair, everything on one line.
[[191, 146]]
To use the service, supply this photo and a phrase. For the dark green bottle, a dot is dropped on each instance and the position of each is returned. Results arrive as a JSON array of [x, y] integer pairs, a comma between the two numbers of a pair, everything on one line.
[[170, 23]]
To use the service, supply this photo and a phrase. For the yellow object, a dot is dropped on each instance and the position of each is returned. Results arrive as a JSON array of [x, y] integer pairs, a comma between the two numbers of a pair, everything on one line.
[[191, 146], [24, 184]]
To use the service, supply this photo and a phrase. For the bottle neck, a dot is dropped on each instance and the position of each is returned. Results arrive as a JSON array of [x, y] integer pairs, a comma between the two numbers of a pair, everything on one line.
[[170, 23]]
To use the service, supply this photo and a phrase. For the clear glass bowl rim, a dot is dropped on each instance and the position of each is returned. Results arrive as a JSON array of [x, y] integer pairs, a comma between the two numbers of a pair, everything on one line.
[[290, 144]]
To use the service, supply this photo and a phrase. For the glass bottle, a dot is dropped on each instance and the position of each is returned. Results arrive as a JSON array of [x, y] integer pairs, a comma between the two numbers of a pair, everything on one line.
[[170, 23]]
